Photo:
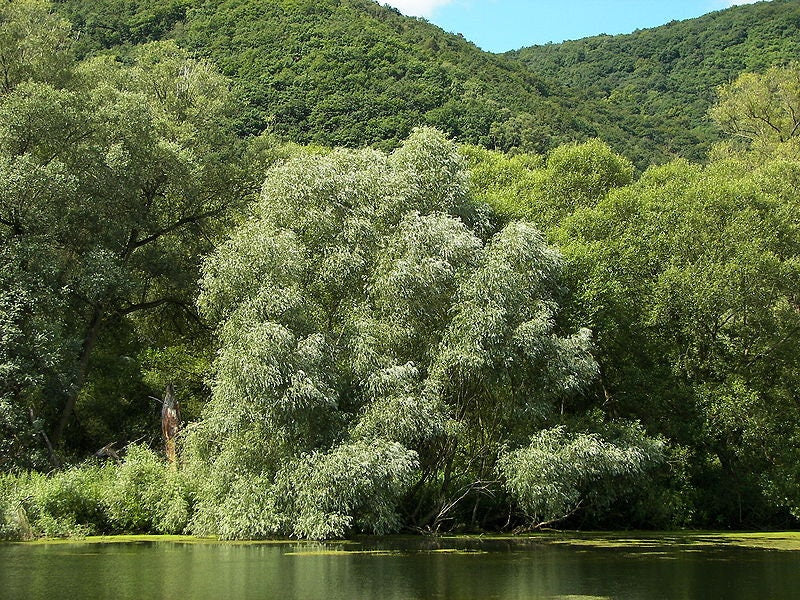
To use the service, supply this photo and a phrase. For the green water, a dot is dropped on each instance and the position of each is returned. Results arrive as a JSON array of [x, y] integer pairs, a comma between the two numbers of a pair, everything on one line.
[[396, 569]]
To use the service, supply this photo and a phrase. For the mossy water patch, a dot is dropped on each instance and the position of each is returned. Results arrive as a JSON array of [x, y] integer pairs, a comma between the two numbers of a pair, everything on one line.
[[579, 597], [385, 552], [175, 539], [681, 540], [786, 540], [453, 551], [343, 552]]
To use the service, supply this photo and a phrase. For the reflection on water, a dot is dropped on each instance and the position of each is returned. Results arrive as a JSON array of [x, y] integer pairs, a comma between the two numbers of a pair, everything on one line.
[[396, 569]]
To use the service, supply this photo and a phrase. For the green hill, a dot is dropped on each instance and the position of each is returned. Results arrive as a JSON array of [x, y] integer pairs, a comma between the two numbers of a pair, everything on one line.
[[662, 81], [353, 73], [344, 72]]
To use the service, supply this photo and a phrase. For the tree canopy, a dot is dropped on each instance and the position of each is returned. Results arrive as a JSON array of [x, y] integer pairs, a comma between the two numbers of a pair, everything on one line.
[[384, 344], [690, 279], [113, 175], [761, 108]]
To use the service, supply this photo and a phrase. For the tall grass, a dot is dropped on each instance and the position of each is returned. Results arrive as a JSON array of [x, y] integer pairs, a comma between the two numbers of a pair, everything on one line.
[[142, 494]]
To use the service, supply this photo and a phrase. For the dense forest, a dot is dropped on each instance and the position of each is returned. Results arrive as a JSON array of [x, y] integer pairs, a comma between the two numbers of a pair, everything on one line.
[[350, 72], [659, 83], [353, 73], [339, 72], [394, 283]]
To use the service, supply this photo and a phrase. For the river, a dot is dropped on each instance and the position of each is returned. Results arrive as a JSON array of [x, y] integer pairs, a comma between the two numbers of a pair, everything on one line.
[[400, 569]]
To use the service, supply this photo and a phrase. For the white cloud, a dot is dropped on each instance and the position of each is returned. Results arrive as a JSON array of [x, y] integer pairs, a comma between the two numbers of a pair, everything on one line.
[[738, 2], [416, 8]]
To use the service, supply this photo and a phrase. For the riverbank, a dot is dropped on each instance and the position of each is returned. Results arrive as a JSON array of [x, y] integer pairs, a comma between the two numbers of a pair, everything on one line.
[[631, 540]]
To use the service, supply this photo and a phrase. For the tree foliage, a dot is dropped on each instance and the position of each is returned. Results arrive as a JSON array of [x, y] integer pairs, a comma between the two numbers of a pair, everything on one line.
[[382, 343], [35, 44], [113, 175], [545, 191], [559, 470], [689, 278], [763, 108]]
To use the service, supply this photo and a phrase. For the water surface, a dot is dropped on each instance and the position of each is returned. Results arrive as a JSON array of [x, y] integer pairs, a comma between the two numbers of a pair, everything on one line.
[[398, 569]]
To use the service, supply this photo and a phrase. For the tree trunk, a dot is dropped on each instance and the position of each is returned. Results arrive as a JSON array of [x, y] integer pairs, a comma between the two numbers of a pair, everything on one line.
[[51, 452], [83, 368]]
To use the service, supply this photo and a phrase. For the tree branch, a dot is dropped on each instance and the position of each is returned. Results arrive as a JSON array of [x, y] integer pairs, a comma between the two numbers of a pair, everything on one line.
[[151, 304], [176, 225]]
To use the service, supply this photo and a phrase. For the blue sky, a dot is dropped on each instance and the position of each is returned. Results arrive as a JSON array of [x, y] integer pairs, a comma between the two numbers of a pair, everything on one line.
[[499, 25]]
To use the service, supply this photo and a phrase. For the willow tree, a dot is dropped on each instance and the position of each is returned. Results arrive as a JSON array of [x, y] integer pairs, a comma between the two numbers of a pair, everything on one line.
[[383, 341]]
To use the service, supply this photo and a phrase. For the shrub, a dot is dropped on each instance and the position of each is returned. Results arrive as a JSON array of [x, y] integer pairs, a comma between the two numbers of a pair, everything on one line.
[[145, 495], [65, 504]]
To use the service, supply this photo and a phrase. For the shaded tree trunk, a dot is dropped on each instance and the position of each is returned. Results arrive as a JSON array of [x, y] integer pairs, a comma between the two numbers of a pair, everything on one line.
[[51, 452], [83, 369]]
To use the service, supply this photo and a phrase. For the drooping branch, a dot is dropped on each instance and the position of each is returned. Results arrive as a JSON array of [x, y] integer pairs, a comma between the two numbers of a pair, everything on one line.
[[481, 487], [543, 524]]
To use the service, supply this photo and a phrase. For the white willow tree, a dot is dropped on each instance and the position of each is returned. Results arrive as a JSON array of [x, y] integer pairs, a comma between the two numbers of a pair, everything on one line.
[[382, 342]]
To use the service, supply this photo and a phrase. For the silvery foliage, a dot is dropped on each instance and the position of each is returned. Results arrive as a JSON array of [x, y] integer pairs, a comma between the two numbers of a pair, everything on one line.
[[366, 292], [560, 470]]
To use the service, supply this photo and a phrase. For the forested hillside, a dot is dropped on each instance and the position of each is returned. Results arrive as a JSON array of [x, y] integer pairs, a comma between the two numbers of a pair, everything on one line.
[[351, 72], [661, 82], [344, 72]]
